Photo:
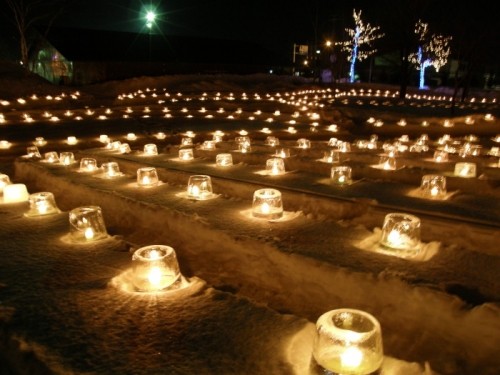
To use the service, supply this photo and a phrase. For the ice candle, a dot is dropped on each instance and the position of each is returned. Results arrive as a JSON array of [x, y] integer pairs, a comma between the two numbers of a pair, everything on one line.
[[155, 268], [348, 342], [267, 204], [87, 224], [147, 177], [341, 175], [401, 232], [199, 187]]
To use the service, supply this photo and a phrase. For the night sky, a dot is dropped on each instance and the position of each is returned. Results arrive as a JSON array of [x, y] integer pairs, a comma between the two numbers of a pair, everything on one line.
[[271, 23], [278, 24]]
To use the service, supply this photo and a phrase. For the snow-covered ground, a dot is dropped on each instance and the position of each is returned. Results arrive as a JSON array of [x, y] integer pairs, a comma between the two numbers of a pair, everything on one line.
[[255, 288]]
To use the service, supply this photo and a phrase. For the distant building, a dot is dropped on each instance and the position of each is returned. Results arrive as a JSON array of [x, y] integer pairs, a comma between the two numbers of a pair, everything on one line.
[[81, 56]]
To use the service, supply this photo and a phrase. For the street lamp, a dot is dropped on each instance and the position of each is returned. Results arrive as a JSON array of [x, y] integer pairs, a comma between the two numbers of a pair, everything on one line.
[[150, 19]]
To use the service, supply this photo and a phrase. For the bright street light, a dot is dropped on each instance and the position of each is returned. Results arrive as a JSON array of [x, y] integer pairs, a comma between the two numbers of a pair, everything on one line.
[[150, 19]]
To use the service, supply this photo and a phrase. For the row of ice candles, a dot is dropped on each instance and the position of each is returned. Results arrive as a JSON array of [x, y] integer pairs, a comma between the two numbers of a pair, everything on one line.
[[346, 340], [287, 96], [446, 143]]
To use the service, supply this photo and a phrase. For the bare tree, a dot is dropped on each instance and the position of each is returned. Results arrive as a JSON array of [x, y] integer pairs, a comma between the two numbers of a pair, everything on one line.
[[433, 50], [359, 45], [28, 14]]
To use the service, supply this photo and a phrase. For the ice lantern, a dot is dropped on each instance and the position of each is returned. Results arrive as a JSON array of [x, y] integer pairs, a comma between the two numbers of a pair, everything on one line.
[[199, 187], [275, 166], [401, 232], [147, 176], [88, 165], [341, 175], [33, 152], [66, 158], [155, 268], [41, 204], [348, 342], [111, 169], [87, 224], [331, 156], [433, 186], [267, 204], [465, 170], [51, 157], [150, 149], [186, 154], [14, 193], [224, 160]]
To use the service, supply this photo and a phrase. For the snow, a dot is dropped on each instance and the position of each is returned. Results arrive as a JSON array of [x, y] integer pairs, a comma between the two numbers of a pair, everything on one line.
[[252, 289]]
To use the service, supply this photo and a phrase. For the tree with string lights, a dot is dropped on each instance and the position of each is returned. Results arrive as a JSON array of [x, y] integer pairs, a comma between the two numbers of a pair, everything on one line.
[[433, 50], [359, 44]]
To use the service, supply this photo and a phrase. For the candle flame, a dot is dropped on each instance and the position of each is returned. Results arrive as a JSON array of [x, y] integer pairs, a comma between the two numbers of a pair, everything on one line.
[[394, 237], [265, 208], [194, 190], [154, 276], [351, 357], [89, 233]]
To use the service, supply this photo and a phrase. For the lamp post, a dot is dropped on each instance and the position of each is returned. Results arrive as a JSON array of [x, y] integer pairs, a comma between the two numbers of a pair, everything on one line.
[[150, 19]]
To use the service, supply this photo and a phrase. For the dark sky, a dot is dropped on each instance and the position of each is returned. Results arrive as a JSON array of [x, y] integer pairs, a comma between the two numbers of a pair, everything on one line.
[[278, 24], [273, 23]]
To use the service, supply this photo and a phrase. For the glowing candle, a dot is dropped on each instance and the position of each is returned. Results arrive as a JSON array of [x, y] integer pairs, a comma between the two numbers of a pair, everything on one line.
[[124, 148], [341, 175], [155, 268], [199, 187], [272, 141], [87, 224], [51, 157], [32, 152], [467, 170], [42, 203], [111, 169], [283, 153], [275, 166], [208, 145], [66, 158], [303, 143], [131, 137], [401, 232], [440, 156], [217, 138], [4, 144], [351, 358], [161, 135], [150, 149], [267, 204], [89, 233], [88, 165], [147, 177], [244, 147], [14, 193], [344, 146], [348, 342], [186, 154], [331, 156], [71, 140], [103, 138], [388, 162], [224, 160], [40, 141], [433, 186], [186, 141]]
